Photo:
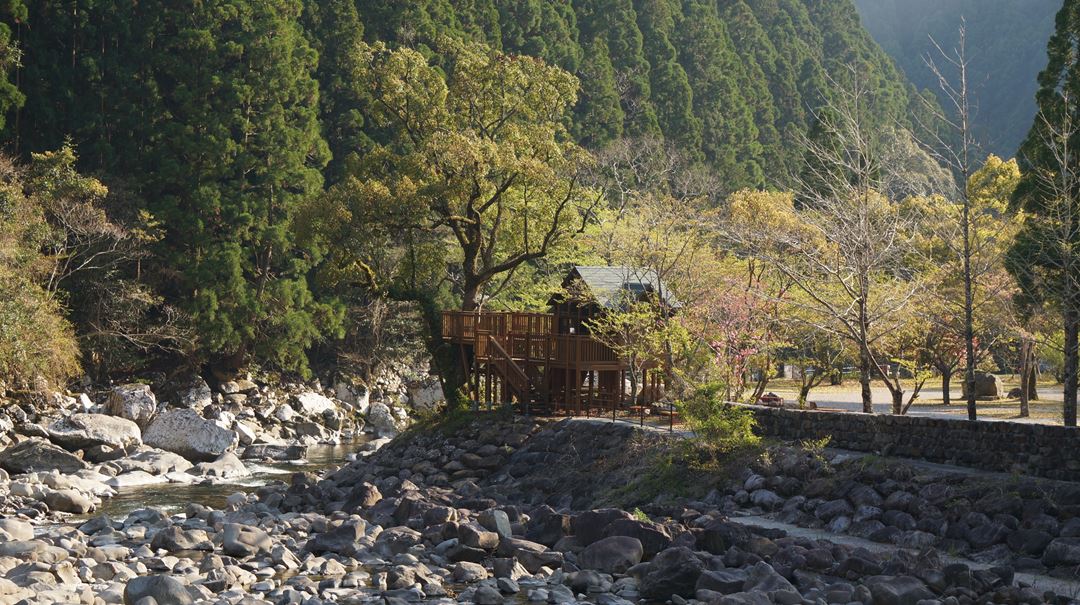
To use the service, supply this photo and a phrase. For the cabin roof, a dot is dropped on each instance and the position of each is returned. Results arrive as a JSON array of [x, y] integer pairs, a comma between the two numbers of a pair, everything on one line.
[[610, 284]]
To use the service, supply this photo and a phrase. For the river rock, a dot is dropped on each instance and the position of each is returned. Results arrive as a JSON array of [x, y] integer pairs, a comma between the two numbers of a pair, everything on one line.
[[69, 501], [612, 555], [38, 455], [341, 540], [673, 571], [1062, 551], [382, 418], [164, 590], [245, 541], [155, 461], [80, 431], [313, 404], [135, 402], [15, 529], [273, 451], [901, 590], [186, 433], [227, 466]]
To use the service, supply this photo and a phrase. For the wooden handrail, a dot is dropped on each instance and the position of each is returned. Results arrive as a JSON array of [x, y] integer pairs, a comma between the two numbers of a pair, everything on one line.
[[510, 369]]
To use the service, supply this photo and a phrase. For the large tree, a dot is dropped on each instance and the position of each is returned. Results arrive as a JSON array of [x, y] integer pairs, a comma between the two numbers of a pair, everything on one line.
[[1046, 255], [237, 150], [478, 151]]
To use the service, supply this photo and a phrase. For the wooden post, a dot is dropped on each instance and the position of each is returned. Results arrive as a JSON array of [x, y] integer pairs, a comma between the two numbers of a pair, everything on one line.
[[592, 383]]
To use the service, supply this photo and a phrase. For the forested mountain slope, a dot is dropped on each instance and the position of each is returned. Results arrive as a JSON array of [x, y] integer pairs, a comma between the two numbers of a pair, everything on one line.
[[246, 151], [1006, 44], [732, 82]]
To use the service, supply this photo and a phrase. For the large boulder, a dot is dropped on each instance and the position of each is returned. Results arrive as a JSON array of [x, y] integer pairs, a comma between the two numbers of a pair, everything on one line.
[[898, 590], [163, 590], [426, 395], [1062, 551], [136, 402], [673, 571], [80, 431], [313, 404], [383, 419], [245, 540], [612, 555], [227, 466], [186, 433], [37, 456], [69, 501], [987, 386]]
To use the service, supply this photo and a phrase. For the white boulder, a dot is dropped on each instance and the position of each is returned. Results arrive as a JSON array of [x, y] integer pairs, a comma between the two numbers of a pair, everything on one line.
[[80, 431], [136, 402], [186, 433]]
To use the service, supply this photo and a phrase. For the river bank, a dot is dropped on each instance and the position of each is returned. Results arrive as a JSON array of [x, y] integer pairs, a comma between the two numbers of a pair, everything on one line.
[[494, 511]]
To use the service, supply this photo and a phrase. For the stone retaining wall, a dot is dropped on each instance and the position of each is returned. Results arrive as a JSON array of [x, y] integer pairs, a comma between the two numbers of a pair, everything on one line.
[[1033, 449]]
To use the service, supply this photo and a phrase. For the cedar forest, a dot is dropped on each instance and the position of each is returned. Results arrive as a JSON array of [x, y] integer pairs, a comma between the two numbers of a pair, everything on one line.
[[300, 186]]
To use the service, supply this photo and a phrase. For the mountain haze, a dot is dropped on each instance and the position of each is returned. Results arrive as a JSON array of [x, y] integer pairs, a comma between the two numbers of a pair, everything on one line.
[[1006, 45]]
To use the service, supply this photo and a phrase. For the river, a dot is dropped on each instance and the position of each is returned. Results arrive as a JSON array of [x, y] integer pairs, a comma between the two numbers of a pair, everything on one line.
[[172, 497]]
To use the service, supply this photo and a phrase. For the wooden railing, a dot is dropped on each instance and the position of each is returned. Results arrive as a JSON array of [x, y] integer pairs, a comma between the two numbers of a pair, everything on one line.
[[506, 366], [525, 337], [462, 326]]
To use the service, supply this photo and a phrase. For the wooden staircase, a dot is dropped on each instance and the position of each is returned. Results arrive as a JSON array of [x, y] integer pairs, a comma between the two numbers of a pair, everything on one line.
[[525, 389]]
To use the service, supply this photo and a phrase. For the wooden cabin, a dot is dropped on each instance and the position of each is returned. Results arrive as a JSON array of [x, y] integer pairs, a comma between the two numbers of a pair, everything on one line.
[[547, 363]]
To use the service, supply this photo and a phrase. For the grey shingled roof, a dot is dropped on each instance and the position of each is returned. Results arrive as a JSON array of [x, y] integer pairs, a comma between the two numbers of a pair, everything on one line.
[[607, 283]]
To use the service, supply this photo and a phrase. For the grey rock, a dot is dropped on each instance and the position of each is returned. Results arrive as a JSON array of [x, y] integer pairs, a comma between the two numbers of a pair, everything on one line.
[[80, 431], [38, 455], [164, 590], [897, 590], [245, 541], [266, 451], [615, 554], [227, 466], [134, 402], [69, 501], [497, 521], [341, 540], [487, 595], [186, 433], [1062, 551], [674, 571], [724, 581]]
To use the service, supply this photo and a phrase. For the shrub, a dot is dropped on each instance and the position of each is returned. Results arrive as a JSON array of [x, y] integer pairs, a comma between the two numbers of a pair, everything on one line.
[[37, 344], [717, 423]]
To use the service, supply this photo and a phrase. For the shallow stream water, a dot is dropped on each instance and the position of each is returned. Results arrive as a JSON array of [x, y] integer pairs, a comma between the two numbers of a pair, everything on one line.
[[172, 497]]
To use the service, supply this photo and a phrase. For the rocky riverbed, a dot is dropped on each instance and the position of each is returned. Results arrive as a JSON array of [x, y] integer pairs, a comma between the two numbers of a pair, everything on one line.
[[67, 453], [520, 511]]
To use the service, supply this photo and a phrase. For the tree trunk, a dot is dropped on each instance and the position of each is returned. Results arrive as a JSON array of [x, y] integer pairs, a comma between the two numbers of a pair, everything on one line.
[[897, 400], [469, 296], [1071, 321], [1025, 369], [864, 382], [1033, 376], [804, 394], [946, 384]]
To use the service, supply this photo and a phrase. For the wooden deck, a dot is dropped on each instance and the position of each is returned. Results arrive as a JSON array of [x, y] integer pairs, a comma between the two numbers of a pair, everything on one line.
[[521, 357]]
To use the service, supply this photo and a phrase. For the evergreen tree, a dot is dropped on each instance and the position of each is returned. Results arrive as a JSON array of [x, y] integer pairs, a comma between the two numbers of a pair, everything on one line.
[[13, 11], [334, 30], [1046, 255], [236, 153], [615, 21], [729, 140], [670, 89], [598, 115]]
